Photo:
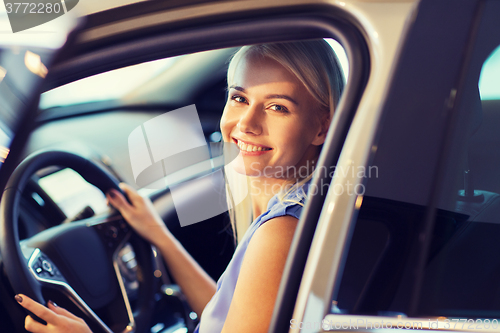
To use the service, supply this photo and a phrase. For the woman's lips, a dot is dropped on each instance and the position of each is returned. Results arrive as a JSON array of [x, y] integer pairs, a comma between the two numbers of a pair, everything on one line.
[[248, 148]]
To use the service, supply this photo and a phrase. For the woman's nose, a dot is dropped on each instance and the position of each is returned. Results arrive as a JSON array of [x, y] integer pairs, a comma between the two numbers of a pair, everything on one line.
[[250, 121]]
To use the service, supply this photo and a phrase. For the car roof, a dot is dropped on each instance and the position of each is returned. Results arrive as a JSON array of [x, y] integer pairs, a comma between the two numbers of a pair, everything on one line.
[[88, 7]]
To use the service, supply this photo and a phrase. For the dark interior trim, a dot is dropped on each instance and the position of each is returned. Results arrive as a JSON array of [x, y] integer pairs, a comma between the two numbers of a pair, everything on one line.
[[475, 11]]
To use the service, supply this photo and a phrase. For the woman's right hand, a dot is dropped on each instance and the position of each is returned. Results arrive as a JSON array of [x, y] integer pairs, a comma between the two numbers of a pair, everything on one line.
[[139, 213]]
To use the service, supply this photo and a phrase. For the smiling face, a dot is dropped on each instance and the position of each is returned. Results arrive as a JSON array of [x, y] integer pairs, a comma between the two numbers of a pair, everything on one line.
[[273, 119]]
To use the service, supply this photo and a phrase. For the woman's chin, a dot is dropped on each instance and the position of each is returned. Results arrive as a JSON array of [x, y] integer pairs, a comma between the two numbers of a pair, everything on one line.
[[245, 170], [242, 166], [253, 172]]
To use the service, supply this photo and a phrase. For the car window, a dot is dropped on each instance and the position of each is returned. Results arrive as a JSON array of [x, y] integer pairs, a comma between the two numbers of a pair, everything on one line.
[[194, 79], [411, 258]]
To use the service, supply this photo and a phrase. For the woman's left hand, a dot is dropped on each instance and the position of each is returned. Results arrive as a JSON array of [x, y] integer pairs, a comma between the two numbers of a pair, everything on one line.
[[58, 319]]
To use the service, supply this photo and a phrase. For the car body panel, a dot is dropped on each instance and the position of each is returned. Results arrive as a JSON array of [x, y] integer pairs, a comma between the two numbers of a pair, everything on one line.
[[386, 30]]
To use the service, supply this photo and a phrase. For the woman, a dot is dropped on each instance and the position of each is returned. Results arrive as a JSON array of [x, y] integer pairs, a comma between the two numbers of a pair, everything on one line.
[[280, 103]]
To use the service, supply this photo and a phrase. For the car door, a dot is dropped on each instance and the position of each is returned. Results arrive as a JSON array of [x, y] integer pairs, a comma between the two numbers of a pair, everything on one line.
[[400, 253]]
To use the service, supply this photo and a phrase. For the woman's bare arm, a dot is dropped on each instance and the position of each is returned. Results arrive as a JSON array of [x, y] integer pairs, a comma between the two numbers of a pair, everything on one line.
[[260, 275]]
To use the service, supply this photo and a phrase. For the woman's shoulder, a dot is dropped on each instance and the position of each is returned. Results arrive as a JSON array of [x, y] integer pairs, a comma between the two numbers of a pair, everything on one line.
[[289, 202]]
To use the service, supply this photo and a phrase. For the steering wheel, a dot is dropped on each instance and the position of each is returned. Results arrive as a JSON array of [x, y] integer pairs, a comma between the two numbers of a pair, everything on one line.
[[79, 259]]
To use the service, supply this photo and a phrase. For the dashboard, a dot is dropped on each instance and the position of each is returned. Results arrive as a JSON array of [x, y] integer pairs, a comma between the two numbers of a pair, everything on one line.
[[72, 193]]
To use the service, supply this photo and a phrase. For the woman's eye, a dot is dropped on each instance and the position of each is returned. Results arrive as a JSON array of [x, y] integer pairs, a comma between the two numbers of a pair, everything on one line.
[[238, 99], [279, 108]]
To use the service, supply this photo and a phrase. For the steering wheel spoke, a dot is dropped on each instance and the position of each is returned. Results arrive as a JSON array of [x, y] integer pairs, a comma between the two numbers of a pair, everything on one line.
[[47, 274], [115, 233], [44, 270], [113, 230]]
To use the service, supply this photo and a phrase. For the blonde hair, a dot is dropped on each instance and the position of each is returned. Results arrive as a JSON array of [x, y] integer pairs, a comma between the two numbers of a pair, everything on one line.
[[315, 64]]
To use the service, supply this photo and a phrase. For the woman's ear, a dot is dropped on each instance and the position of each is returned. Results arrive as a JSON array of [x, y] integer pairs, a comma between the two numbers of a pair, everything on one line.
[[323, 126]]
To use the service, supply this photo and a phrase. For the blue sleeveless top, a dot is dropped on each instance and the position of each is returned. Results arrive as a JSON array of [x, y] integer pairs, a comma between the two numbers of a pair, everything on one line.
[[214, 314]]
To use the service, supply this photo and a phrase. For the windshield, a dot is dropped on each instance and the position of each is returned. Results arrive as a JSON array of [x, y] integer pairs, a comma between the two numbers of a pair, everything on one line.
[[111, 85]]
